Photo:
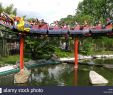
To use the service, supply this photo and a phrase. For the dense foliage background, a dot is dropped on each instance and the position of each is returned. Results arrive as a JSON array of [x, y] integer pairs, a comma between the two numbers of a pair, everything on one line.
[[91, 11]]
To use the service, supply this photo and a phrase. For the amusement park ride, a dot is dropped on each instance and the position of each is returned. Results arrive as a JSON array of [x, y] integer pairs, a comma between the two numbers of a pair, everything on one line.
[[22, 30]]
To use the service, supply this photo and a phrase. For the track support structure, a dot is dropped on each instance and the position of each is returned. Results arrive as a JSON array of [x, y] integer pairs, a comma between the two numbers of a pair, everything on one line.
[[21, 51], [76, 52]]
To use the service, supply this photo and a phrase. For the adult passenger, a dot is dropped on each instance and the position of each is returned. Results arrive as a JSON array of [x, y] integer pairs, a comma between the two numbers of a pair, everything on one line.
[[56, 25], [99, 25], [109, 24], [77, 26]]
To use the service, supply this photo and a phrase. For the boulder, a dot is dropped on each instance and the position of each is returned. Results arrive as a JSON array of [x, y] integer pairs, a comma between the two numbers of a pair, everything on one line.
[[22, 76], [97, 79]]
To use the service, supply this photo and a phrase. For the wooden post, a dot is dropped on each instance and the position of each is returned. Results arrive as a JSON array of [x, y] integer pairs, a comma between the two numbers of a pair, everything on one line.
[[76, 52], [21, 52]]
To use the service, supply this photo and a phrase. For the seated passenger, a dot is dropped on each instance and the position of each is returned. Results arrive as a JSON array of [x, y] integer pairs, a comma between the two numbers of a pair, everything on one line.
[[77, 26], [92, 26], [35, 26], [7, 19], [15, 21], [27, 24], [31, 22], [109, 24], [98, 26], [66, 27], [85, 26], [56, 26], [43, 24]]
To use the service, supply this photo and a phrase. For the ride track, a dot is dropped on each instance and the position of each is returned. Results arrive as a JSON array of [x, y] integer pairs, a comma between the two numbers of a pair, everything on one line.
[[56, 33]]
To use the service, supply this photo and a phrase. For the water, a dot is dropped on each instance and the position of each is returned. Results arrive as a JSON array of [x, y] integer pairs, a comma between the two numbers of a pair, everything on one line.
[[62, 75]]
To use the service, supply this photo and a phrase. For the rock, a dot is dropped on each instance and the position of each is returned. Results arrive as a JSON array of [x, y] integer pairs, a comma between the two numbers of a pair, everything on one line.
[[64, 63], [80, 57], [54, 57], [97, 79], [109, 66], [91, 62], [22, 76]]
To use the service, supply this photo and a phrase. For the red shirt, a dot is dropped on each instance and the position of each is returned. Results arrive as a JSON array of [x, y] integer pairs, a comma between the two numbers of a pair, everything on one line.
[[35, 26], [44, 27], [109, 26]]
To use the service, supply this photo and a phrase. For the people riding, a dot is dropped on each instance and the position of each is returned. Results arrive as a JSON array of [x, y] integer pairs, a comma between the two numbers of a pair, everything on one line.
[[98, 25], [77, 26], [25, 25], [109, 24]]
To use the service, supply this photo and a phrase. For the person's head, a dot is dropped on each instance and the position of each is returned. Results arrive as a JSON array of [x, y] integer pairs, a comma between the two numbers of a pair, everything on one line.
[[109, 21], [56, 22], [18, 19], [42, 20], [37, 20]]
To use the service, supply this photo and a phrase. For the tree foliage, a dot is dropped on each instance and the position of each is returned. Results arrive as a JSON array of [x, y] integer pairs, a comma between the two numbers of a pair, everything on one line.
[[39, 47], [9, 9], [91, 10]]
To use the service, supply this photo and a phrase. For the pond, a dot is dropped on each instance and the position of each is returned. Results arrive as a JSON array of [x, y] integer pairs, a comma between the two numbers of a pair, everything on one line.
[[62, 75]]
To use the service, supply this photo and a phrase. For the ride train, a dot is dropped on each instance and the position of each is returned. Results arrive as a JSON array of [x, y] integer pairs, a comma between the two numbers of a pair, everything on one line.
[[61, 32], [22, 28]]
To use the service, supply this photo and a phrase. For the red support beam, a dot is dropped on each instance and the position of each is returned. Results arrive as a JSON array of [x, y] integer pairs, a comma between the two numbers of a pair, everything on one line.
[[76, 52], [21, 52]]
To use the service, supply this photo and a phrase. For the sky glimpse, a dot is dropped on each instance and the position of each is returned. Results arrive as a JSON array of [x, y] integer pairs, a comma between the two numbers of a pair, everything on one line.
[[49, 10]]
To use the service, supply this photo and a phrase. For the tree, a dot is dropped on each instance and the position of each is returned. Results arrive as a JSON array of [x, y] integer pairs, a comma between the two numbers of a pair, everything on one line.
[[96, 8], [9, 9], [1, 8], [68, 20], [91, 10]]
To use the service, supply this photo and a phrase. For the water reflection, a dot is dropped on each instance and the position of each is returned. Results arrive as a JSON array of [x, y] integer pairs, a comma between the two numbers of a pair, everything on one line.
[[92, 63], [75, 77], [7, 80], [54, 74], [61, 75]]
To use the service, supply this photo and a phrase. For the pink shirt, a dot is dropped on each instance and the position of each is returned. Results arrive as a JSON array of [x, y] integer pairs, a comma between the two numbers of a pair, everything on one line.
[[86, 27], [98, 27], [65, 28], [56, 27], [77, 27]]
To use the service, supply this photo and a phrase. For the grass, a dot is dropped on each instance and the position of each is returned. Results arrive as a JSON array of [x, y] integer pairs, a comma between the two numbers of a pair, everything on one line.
[[58, 52], [62, 53], [10, 59], [103, 52]]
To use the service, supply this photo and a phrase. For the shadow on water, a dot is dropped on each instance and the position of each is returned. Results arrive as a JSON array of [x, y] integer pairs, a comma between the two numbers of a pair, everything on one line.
[[61, 75]]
